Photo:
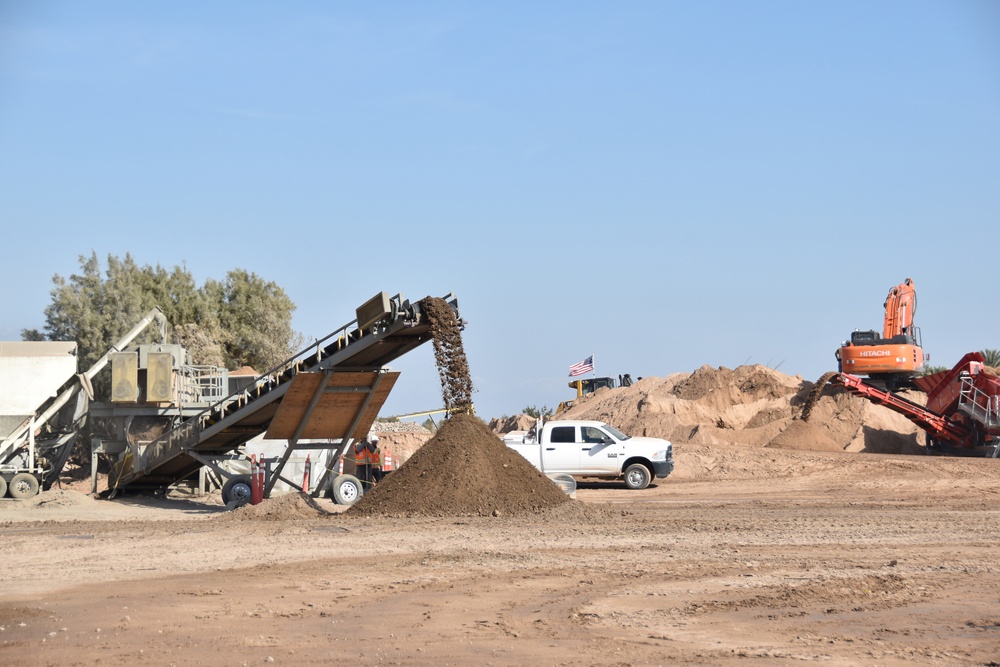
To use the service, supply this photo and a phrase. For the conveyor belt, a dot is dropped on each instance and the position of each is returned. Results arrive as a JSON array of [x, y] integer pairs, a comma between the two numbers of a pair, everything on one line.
[[331, 390]]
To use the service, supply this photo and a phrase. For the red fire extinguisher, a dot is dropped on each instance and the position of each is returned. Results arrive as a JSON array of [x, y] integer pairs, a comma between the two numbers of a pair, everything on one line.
[[256, 481]]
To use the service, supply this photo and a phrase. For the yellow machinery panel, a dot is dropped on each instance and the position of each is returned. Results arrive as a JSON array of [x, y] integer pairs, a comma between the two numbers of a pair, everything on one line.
[[124, 377], [160, 378]]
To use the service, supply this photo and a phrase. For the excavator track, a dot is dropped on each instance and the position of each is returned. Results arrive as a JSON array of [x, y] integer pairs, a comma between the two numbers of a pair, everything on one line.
[[815, 393]]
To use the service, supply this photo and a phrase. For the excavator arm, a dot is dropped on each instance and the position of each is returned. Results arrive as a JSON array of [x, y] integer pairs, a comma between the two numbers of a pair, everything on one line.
[[900, 306]]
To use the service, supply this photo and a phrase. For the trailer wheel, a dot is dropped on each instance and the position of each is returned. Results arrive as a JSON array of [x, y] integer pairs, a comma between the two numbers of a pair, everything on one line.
[[23, 485], [637, 477], [3, 487], [346, 489], [237, 490]]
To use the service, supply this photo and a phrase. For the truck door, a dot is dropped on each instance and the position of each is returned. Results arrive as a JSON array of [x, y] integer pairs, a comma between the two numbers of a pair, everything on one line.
[[597, 454], [562, 452]]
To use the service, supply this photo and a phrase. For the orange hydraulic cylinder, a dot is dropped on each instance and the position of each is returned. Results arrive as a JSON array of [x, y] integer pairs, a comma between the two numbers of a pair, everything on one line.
[[900, 307]]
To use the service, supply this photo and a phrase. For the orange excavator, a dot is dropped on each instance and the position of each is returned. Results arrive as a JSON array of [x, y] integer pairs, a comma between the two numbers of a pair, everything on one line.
[[962, 411], [895, 357]]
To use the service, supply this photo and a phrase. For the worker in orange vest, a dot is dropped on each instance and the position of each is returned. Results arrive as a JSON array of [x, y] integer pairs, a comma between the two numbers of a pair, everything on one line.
[[366, 459]]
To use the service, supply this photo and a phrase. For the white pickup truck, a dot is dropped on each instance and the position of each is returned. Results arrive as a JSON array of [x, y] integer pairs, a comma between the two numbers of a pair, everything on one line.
[[593, 449]]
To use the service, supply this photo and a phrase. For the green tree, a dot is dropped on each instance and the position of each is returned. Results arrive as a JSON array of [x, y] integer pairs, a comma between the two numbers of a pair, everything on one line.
[[991, 357], [256, 316], [243, 320], [536, 412]]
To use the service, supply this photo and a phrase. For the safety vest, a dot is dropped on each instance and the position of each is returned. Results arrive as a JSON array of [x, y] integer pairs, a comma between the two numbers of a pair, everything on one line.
[[363, 454]]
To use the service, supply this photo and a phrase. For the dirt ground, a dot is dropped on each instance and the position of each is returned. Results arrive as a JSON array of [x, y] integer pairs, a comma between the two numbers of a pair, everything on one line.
[[747, 555], [776, 541]]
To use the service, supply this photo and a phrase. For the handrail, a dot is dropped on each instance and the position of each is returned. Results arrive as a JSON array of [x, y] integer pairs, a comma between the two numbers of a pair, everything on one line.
[[979, 405]]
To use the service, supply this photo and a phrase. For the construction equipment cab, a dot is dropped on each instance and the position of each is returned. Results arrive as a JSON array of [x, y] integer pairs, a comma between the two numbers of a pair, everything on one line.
[[895, 356]]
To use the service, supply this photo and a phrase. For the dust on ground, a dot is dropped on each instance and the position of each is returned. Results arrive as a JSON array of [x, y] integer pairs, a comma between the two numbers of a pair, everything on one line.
[[832, 557], [285, 507]]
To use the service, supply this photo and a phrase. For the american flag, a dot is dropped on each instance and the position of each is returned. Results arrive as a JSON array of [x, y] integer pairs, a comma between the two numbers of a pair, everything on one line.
[[585, 366]]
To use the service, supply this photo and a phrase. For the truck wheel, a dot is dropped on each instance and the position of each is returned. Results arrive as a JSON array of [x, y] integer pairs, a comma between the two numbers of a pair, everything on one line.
[[3, 487], [637, 477], [346, 489], [236, 490], [23, 485]]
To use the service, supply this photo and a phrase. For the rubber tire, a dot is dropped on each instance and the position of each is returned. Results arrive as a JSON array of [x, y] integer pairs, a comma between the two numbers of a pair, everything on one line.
[[637, 477], [3, 487], [23, 485], [346, 489], [237, 489]]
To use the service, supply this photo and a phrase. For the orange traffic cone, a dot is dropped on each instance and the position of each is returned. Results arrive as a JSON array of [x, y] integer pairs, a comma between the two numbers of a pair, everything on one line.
[[305, 476], [387, 463], [340, 466]]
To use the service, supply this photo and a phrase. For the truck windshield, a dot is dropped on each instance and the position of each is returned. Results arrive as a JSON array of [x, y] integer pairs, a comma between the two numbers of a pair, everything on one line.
[[615, 432]]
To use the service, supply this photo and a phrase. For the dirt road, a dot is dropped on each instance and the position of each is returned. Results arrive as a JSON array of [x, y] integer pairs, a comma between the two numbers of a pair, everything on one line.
[[844, 559]]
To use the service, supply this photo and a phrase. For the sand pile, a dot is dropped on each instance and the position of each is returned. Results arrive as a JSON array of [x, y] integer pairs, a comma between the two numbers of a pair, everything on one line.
[[750, 405], [54, 498], [520, 422], [464, 470], [286, 507]]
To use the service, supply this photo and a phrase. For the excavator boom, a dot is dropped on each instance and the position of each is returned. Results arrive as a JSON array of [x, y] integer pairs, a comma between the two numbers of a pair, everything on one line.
[[900, 306]]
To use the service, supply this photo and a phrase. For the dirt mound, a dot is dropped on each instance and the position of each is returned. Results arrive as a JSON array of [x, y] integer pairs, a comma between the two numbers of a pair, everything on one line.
[[54, 498], [521, 422], [858, 425], [750, 381], [287, 507], [464, 470], [750, 405], [804, 435]]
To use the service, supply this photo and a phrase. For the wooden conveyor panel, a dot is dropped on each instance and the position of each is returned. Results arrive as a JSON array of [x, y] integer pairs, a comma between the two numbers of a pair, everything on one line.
[[314, 409]]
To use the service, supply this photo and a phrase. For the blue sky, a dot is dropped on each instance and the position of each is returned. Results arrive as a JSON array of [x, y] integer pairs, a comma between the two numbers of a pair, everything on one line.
[[661, 184]]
